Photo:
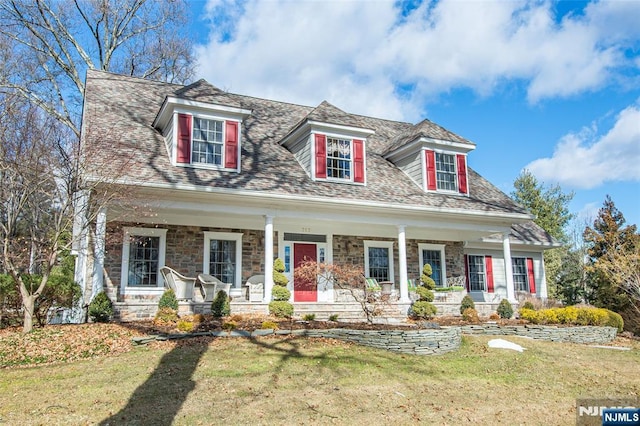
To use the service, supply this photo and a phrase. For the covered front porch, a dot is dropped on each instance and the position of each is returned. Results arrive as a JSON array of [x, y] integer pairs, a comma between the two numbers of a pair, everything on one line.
[[234, 238]]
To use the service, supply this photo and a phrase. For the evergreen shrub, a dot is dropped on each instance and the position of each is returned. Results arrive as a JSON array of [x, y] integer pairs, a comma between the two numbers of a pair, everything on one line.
[[425, 294], [423, 310], [280, 293], [269, 325], [279, 279], [220, 306], [166, 315], [281, 309], [185, 326], [615, 320], [467, 302], [101, 308], [505, 310], [168, 300]]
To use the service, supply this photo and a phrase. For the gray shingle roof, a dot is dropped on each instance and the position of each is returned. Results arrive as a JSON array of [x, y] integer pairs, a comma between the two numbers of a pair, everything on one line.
[[531, 233], [425, 129], [119, 111]]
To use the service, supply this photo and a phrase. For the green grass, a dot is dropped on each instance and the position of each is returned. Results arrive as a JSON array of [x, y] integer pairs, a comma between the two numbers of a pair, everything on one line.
[[302, 381]]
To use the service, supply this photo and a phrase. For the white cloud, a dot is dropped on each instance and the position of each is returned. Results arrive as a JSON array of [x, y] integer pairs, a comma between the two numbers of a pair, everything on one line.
[[585, 160], [359, 54]]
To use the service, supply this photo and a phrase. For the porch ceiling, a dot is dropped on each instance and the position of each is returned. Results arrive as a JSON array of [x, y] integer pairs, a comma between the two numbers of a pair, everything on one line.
[[233, 211]]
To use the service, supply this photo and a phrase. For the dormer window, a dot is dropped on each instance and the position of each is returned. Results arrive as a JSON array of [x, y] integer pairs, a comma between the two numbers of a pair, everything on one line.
[[339, 158], [446, 171], [202, 135], [207, 141]]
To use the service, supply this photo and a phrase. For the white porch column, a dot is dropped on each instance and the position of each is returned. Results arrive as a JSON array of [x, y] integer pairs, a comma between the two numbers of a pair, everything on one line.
[[543, 291], [402, 263], [508, 267], [98, 252], [80, 248], [268, 257]]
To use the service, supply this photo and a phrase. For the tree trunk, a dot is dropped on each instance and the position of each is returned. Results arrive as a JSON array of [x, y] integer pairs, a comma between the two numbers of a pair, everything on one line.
[[28, 304]]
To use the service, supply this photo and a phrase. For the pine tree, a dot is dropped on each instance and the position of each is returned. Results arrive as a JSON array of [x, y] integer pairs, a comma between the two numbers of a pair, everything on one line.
[[550, 205], [613, 264]]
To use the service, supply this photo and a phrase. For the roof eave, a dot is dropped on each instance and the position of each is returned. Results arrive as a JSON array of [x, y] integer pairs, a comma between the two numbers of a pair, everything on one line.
[[423, 142], [512, 217], [170, 102]]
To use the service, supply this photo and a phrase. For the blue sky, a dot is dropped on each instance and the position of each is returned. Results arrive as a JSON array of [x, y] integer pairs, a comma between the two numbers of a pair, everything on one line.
[[553, 87]]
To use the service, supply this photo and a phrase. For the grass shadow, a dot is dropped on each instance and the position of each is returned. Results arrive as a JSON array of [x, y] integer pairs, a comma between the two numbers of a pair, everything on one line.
[[158, 400]]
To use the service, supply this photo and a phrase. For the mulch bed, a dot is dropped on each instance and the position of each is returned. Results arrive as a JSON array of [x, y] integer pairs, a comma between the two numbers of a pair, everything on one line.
[[250, 322]]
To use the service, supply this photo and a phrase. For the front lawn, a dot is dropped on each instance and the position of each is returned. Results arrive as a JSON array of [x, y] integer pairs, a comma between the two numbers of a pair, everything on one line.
[[280, 380]]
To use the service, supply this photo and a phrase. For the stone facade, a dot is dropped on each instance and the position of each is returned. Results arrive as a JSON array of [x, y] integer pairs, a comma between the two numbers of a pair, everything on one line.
[[350, 250], [184, 253]]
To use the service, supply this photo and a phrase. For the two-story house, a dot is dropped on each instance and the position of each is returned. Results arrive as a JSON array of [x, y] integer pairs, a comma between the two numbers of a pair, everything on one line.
[[207, 181]]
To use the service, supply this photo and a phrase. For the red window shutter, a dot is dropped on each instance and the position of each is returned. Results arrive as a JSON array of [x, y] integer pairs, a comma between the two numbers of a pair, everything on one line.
[[231, 145], [184, 139], [358, 161], [430, 157], [466, 272], [488, 266], [321, 156], [462, 173], [532, 278]]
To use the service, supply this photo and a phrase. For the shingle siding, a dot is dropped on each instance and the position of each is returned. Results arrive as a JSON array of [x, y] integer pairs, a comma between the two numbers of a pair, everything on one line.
[[412, 166]]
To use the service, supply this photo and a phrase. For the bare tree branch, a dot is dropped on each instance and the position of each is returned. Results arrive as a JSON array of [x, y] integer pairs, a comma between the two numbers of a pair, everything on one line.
[[54, 42]]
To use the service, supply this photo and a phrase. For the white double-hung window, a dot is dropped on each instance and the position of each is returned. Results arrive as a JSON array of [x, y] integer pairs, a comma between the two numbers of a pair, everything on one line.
[[223, 256], [378, 260], [208, 142], [339, 161], [446, 175], [143, 254]]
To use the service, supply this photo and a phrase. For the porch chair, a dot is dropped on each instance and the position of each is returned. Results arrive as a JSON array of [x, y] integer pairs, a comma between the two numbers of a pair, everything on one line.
[[255, 288], [372, 288], [182, 286], [413, 288], [210, 287], [372, 284]]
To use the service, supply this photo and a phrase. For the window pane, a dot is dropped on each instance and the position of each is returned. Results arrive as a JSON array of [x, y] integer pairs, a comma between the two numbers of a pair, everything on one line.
[[222, 260], [207, 141], [446, 177], [433, 258], [476, 273], [143, 261], [520, 281], [379, 263], [338, 158]]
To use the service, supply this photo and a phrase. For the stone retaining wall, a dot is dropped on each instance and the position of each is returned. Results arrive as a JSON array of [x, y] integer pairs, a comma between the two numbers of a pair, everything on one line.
[[420, 342], [584, 334]]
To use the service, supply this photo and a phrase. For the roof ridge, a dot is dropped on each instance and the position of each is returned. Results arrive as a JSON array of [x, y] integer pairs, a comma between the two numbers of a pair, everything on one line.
[[130, 77], [200, 83]]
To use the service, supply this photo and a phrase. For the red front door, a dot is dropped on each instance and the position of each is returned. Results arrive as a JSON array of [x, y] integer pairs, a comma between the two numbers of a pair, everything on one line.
[[304, 291]]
